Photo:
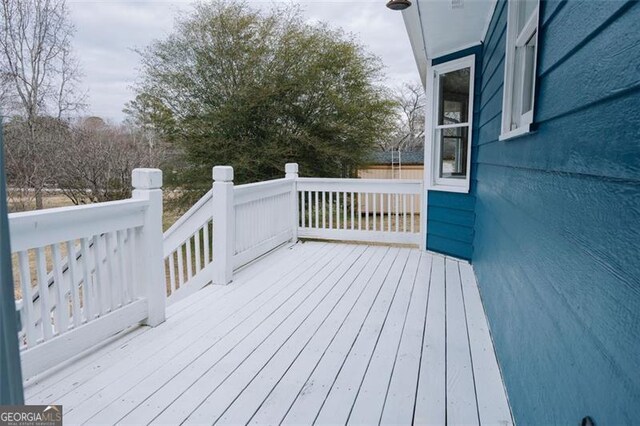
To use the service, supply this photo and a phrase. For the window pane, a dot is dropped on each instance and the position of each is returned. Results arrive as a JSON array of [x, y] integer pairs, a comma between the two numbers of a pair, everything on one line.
[[453, 152], [529, 74], [525, 9], [453, 102]]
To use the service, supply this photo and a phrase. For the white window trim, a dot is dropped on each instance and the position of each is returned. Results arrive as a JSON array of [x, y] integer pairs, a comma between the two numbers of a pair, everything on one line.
[[432, 179], [511, 43]]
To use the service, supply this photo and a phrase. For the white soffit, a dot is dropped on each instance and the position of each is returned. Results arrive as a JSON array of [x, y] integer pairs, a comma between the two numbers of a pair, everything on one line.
[[439, 27]]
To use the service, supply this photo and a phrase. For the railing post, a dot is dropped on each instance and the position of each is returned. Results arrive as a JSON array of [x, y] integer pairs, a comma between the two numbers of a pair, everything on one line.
[[147, 184], [224, 228], [291, 172]]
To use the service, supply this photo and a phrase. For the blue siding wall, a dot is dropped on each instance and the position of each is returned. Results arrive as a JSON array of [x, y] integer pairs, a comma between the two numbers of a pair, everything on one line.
[[451, 215], [557, 218]]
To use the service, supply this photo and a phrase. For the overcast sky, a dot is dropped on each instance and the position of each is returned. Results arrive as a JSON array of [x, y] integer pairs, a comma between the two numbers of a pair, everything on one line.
[[109, 30]]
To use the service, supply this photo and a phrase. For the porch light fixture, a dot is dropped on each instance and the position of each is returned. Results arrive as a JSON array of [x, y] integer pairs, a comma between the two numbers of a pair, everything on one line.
[[398, 4]]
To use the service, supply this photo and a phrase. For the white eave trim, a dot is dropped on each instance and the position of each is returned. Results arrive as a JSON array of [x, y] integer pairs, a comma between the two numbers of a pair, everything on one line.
[[413, 25]]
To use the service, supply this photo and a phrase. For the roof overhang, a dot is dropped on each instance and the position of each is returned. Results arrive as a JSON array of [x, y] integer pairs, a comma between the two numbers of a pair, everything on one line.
[[439, 27]]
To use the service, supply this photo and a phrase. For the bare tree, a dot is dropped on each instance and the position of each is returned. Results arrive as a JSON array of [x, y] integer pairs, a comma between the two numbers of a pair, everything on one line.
[[409, 127], [38, 78], [24, 168], [99, 158]]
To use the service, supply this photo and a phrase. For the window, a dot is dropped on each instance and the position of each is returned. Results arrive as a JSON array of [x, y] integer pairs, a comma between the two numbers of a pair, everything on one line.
[[451, 137], [520, 67]]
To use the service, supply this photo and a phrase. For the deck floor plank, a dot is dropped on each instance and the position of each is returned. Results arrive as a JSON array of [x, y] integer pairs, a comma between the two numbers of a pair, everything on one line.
[[369, 403], [207, 328], [430, 407], [303, 352], [401, 395], [461, 394], [312, 333], [205, 308], [290, 339], [158, 385], [493, 406], [295, 310], [313, 389], [337, 406]]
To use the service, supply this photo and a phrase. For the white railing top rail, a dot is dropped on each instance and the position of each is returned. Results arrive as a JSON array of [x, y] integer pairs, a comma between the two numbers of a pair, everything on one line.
[[396, 186], [358, 181], [43, 227], [202, 202], [188, 224], [255, 191]]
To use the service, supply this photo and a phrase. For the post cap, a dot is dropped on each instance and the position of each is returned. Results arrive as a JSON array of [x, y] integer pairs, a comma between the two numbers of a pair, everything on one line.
[[291, 168], [223, 174], [146, 178]]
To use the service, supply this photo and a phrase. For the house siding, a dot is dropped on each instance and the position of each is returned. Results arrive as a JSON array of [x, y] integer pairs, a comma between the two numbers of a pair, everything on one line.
[[450, 226], [557, 218]]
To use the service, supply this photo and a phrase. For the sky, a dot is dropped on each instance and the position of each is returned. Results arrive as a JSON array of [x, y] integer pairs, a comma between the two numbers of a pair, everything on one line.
[[108, 31]]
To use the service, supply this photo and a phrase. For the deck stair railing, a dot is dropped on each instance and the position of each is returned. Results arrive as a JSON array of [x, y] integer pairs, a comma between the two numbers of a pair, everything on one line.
[[247, 221], [88, 272]]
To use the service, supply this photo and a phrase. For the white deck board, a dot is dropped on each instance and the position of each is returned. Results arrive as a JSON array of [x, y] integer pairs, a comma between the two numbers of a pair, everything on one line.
[[314, 389], [461, 393], [493, 406], [367, 408], [189, 370], [339, 402], [303, 352], [315, 332], [56, 387], [430, 407], [399, 403], [304, 319]]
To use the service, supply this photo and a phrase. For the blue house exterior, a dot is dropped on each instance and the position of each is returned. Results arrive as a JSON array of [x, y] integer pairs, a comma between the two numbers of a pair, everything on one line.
[[551, 217]]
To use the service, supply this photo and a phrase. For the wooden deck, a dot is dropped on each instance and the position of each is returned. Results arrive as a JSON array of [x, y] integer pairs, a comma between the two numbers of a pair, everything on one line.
[[313, 333]]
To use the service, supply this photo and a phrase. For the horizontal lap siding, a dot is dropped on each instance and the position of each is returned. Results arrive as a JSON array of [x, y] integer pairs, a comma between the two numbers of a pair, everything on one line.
[[557, 218], [451, 215]]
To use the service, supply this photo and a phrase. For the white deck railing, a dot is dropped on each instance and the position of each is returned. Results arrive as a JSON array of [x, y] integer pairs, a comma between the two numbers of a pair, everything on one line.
[[87, 272], [263, 218], [187, 250], [371, 210], [101, 268]]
